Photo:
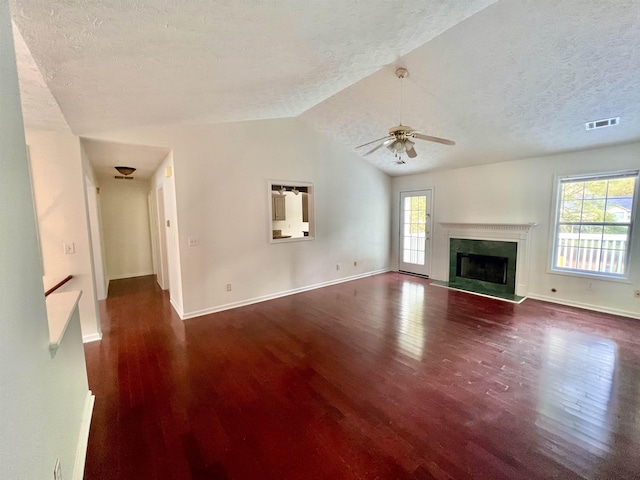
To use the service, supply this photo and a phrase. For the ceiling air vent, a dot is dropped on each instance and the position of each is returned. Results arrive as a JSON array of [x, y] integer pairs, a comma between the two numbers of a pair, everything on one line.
[[606, 122]]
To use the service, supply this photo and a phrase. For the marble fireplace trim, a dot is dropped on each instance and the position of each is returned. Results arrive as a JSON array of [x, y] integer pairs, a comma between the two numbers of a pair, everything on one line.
[[501, 232]]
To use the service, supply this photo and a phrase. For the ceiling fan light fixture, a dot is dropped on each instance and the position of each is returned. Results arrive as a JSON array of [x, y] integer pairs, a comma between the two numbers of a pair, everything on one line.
[[401, 146], [125, 170]]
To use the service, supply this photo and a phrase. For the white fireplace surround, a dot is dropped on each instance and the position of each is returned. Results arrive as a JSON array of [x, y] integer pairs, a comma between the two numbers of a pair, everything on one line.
[[501, 232]]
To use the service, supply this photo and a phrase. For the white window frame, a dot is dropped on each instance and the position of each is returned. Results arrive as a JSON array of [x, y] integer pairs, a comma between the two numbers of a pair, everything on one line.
[[555, 217]]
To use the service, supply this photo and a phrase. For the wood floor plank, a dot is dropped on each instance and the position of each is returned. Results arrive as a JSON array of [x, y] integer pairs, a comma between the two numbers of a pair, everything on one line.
[[385, 377]]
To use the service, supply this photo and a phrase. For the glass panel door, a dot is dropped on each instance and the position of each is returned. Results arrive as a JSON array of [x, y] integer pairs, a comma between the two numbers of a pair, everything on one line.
[[415, 232]]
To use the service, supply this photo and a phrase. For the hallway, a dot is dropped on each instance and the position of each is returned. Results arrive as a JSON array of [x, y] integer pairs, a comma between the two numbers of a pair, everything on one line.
[[385, 377]]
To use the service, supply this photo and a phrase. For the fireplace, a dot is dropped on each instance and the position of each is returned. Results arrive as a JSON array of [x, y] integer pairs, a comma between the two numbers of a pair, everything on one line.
[[488, 268], [489, 238], [483, 266]]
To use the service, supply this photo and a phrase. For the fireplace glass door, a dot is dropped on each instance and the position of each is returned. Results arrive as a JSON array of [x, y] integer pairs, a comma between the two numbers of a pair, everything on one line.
[[415, 232]]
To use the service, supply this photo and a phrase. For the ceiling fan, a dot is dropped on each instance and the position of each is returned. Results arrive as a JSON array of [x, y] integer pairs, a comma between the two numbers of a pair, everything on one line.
[[399, 139]]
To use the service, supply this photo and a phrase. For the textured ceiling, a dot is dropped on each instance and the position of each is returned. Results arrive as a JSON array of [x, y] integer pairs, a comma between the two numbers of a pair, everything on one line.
[[127, 63], [505, 80], [517, 80], [40, 110], [104, 156]]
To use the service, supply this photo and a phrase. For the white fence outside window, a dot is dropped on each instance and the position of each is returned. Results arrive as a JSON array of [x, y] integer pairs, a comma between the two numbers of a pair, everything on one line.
[[592, 252]]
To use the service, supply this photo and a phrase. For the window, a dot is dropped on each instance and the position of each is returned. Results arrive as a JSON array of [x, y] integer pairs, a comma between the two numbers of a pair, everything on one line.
[[594, 219]]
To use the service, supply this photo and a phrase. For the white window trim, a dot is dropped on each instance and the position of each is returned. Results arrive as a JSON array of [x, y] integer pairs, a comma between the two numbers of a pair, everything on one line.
[[623, 278]]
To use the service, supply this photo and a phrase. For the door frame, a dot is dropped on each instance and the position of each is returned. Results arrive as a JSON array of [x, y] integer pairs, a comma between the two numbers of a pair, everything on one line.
[[163, 257], [428, 255], [95, 237]]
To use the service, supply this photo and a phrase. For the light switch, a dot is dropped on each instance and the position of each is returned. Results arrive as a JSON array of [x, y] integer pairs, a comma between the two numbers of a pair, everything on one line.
[[193, 241], [69, 248]]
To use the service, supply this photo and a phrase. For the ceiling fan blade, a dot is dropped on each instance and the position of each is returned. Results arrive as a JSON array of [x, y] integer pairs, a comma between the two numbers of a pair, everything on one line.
[[374, 141], [429, 138], [383, 144], [411, 153]]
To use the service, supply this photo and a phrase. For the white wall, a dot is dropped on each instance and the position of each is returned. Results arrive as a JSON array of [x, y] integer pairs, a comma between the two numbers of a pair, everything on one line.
[[521, 192], [125, 227], [213, 163], [60, 197], [41, 398]]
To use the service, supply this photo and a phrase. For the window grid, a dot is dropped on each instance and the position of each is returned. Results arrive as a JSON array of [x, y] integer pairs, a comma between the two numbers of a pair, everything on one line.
[[594, 222], [415, 220]]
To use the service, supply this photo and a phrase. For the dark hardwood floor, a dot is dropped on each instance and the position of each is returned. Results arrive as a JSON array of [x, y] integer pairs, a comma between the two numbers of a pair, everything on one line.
[[381, 378]]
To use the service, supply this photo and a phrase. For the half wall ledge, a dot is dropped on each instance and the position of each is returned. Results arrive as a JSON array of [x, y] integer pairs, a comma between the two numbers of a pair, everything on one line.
[[61, 308]]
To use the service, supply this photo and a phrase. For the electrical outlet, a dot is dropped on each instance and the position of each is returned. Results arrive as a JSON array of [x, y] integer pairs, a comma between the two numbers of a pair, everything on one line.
[[337, 266], [193, 241], [228, 287], [57, 470], [69, 248], [636, 293]]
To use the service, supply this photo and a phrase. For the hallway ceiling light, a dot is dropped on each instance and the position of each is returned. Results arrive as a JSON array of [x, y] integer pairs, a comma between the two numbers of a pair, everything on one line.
[[125, 170]]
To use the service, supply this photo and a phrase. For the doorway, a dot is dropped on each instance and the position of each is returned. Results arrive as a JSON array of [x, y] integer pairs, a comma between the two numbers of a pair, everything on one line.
[[415, 232]]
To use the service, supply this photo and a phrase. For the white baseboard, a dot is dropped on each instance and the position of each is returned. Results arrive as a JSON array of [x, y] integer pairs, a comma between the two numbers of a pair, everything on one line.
[[177, 308], [83, 437], [586, 306], [272, 296], [94, 337], [129, 275]]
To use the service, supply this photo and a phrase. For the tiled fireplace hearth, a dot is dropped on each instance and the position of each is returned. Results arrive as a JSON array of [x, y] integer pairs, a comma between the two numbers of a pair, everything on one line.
[[489, 258]]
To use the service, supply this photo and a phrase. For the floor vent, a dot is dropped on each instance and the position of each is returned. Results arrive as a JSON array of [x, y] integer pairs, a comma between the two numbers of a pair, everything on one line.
[[606, 122]]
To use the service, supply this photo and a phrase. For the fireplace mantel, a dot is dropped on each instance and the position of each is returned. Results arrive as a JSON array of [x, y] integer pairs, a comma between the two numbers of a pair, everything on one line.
[[510, 227], [508, 232]]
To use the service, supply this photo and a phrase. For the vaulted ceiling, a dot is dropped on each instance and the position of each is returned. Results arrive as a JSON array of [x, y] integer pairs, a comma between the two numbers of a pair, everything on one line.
[[505, 79]]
